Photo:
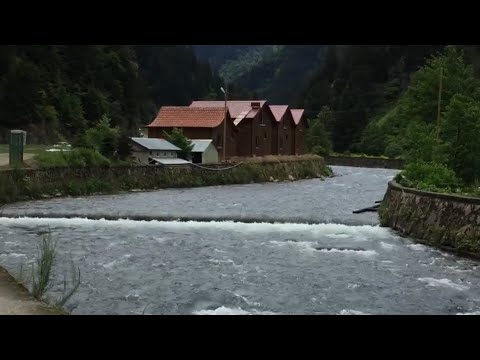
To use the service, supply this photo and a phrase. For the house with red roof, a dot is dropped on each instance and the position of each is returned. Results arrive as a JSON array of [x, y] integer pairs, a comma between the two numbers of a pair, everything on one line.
[[301, 126], [253, 127], [283, 131], [253, 122], [196, 123]]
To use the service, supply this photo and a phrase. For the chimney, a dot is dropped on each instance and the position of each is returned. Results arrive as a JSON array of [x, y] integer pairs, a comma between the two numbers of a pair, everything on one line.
[[255, 105]]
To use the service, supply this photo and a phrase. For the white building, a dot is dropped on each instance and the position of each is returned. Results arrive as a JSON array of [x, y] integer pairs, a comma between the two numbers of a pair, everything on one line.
[[145, 150], [204, 152]]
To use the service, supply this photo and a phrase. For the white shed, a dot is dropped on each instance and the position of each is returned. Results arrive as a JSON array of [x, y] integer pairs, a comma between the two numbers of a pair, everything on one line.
[[204, 152], [144, 149]]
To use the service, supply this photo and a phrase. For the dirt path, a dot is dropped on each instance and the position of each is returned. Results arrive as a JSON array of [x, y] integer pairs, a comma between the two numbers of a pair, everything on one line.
[[4, 158], [15, 299]]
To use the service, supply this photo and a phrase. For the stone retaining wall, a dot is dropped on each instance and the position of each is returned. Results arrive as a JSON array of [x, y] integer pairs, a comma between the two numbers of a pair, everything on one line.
[[450, 222]]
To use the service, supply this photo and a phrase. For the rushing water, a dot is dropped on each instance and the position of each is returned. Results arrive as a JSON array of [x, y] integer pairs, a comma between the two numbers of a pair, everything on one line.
[[341, 264]]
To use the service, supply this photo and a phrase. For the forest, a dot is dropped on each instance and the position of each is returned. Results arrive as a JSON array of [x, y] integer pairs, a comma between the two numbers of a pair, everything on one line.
[[57, 92]]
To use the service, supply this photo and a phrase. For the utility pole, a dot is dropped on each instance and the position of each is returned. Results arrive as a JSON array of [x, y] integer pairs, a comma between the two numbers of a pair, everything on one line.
[[225, 123], [439, 102]]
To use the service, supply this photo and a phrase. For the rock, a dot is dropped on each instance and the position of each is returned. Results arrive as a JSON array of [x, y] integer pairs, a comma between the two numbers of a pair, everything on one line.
[[272, 179], [276, 180], [58, 194], [291, 178]]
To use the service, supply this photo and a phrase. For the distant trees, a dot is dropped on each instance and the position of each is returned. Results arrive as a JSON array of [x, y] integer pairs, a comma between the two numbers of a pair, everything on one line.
[[57, 92], [445, 143], [317, 139]]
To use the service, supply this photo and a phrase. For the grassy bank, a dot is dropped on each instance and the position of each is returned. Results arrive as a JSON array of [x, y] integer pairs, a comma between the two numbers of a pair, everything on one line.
[[29, 149], [25, 184]]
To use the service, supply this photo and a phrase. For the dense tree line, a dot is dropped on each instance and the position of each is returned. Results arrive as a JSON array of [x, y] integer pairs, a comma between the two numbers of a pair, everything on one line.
[[57, 92], [358, 84]]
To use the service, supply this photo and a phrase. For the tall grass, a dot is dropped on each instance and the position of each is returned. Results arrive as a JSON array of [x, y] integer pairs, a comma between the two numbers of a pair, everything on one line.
[[42, 274]]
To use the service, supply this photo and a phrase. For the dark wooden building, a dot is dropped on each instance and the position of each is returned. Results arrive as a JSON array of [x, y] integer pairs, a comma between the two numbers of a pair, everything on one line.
[[253, 122], [283, 130], [254, 128], [301, 126]]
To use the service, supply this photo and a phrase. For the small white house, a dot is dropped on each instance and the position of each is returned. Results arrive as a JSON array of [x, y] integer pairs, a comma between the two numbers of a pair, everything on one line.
[[146, 149], [204, 152]]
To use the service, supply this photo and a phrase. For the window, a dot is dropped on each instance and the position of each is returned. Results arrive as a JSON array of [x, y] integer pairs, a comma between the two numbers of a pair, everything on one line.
[[164, 154], [262, 120], [256, 142]]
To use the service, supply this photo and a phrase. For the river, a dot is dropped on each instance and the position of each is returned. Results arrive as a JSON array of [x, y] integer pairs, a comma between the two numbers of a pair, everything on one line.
[[317, 258]]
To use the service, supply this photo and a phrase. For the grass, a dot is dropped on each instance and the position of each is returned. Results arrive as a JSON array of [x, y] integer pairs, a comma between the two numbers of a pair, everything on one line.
[[359, 155], [42, 276], [29, 148], [275, 158]]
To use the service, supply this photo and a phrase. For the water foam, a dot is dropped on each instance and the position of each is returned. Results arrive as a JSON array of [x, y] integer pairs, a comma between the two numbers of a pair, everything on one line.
[[388, 246], [302, 245], [11, 243], [367, 253], [15, 255], [417, 247], [470, 313], [255, 227], [351, 312], [443, 283], [222, 310]]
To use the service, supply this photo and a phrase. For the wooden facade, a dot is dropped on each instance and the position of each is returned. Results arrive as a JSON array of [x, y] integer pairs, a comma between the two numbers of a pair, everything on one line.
[[257, 133]]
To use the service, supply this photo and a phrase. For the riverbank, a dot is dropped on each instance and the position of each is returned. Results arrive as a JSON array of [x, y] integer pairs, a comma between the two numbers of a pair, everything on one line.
[[16, 300], [449, 222], [26, 184], [365, 162]]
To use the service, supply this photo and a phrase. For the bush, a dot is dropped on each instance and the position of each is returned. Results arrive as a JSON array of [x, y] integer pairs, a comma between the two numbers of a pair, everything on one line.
[[393, 150], [428, 176], [103, 138], [177, 138], [76, 158]]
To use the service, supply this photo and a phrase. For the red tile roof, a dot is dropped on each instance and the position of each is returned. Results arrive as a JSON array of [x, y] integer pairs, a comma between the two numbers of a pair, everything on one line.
[[184, 116], [297, 115], [236, 107], [278, 111]]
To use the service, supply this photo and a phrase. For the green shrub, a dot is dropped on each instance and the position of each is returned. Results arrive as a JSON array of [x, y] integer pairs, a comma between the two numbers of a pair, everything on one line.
[[428, 176], [393, 150], [51, 159], [76, 158]]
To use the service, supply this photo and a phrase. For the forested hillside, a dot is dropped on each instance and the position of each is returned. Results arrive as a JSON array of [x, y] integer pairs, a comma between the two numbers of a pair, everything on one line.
[[275, 72], [56, 92]]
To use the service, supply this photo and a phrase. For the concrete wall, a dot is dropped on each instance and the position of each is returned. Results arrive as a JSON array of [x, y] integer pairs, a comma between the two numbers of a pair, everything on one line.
[[141, 157], [447, 221], [367, 162], [25, 184]]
